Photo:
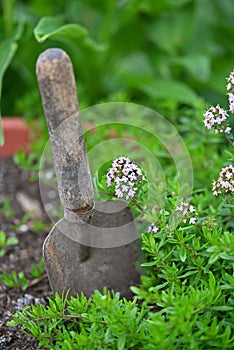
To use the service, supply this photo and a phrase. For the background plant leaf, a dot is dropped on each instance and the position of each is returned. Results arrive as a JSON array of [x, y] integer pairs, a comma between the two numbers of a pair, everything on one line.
[[170, 89], [54, 27]]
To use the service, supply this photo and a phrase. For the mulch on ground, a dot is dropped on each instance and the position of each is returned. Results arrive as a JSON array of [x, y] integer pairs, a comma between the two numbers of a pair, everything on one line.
[[16, 188]]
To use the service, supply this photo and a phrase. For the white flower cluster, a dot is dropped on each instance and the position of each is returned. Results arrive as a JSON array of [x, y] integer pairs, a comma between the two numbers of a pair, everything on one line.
[[225, 182], [230, 91], [153, 228], [216, 117], [188, 212], [126, 176]]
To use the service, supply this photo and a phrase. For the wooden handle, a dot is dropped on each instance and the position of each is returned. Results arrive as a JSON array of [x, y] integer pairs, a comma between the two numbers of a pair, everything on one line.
[[59, 97]]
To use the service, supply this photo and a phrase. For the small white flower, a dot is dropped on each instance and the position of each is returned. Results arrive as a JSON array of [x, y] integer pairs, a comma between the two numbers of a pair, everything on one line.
[[225, 182], [108, 181], [228, 129], [118, 193], [191, 209], [185, 210], [230, 79], [229, 86], [192, 221], [215, 117], [153, 228], [125, 175], [131, 193], [124, 188], [229, 175]]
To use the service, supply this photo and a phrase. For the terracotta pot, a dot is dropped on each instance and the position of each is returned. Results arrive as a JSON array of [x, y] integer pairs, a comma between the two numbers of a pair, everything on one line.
[[16, 136]]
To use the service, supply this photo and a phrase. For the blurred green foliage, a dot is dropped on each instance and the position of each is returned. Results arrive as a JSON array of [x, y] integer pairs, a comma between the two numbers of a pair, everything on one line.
[[150, 51]]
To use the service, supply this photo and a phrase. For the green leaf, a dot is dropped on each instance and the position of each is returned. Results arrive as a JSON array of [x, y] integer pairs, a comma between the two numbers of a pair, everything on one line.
[[182, 254], [135, 290], [222, 308], [23, 280], [7, 49], [213, 258], [170, 89], [121, 342], [150, 263], [12, 241], [134, 69], [212, 281], [189, 273], [197, 65], [2, 239], [2, 252], [226, 256], [54, 27]]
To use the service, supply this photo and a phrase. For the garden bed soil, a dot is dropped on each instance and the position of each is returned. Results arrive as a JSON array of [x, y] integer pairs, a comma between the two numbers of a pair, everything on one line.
[[16, 188]]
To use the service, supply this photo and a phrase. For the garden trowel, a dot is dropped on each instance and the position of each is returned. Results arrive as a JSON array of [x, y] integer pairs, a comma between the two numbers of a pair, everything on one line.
[[95, 245]]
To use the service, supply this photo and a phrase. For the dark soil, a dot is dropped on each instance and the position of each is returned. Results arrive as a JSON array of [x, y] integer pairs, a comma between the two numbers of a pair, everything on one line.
[[16, 188]]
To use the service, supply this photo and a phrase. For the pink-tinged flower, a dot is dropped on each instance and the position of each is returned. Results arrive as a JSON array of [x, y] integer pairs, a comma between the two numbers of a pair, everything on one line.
[[216, 118], [118, 193], [192, 209], [153, 228], [230, 84], [192, 221], [231, 102], [126, 176], [225, 182], [185, 210], [230, 91], [228, 130], [131, 193]]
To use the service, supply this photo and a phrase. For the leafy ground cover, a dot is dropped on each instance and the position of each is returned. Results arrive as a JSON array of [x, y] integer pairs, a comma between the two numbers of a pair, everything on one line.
[[188, 284]]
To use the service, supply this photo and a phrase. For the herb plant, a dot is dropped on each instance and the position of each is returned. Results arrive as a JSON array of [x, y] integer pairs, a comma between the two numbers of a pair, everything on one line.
[[186, 296]]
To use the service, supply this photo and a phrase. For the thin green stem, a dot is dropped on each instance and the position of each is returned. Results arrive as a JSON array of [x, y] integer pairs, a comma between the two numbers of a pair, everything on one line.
[[229, 140], [132, 200]]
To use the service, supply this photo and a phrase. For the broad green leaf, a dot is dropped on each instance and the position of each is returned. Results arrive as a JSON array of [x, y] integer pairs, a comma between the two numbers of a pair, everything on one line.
[[134, 69], [7, 49], [171, 33], [197, 65], [170, 89], [161, 6], [53, 27]]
